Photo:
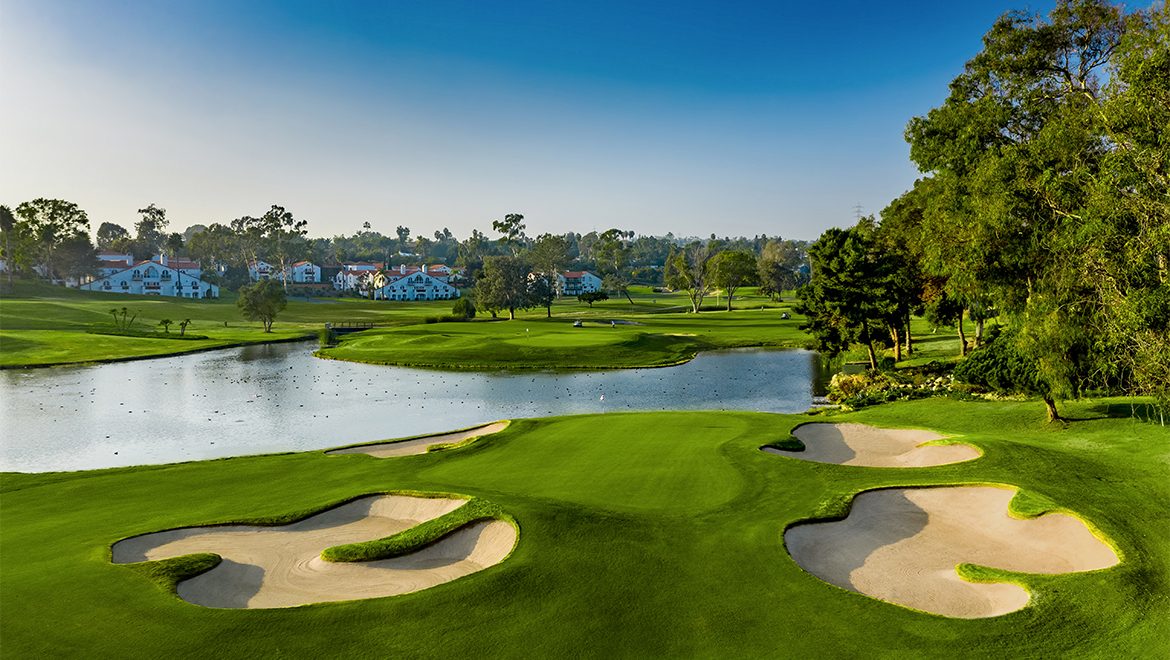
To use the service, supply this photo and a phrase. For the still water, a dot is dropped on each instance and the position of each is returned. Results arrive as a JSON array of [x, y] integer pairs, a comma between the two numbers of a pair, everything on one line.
[[278, 397]]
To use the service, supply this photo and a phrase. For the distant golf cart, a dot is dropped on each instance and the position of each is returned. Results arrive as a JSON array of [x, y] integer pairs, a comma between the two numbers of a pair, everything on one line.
[[577, 323]]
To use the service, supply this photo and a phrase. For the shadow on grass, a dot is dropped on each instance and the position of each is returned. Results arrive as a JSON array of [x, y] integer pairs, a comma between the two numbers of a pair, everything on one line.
[[1146, 412]]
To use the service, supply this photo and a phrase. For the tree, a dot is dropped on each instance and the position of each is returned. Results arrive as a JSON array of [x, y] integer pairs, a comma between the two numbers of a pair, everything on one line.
[[619, 285], [166, 325], [734, 269], [8, 225], [77, 258], [403, 237], [512, 228], [1030, 211], [183, 326], [284, 239], [550, 256], [610, 252], [214, 247], [262, 301], [844, 303], [542, 291], [108, 233], [463, 307], [151, 230], [174, 244], [694, 271], [592, 297], [49, 222], [504, 285]]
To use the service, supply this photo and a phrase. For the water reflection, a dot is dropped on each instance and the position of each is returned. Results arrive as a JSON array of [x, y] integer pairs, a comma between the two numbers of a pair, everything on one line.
[[278, 397]]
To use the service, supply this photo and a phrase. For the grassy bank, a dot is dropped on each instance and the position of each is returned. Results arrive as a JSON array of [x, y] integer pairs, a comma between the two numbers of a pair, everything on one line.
[[653, 331], [643, 535], [43, 325]]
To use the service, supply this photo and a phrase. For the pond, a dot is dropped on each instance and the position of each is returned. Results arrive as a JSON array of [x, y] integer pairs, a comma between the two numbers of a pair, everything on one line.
[[278, 397]]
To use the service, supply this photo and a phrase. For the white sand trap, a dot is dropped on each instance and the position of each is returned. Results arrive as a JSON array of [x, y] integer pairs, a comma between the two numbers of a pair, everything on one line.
[[419, 445], [858, 444], [903, 545], [266, 567]]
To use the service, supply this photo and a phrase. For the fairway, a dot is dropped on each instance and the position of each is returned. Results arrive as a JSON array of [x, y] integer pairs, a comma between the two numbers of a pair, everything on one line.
[[641, 535]]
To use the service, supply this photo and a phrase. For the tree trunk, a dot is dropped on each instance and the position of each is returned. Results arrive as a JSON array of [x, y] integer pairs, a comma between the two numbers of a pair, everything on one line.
[[729, 301], [628, 297], [979, 333], [897, 343], [872, 356], [1053, 415], [511, 313], [962, 338], [909, 339], [549, 308]]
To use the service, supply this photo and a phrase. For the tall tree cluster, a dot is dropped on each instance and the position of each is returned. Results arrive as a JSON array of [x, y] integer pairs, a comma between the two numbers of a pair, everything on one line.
[[1047, 202]]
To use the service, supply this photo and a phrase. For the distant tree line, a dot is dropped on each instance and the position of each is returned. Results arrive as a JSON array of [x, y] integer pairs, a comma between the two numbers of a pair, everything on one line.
[[51, 236]]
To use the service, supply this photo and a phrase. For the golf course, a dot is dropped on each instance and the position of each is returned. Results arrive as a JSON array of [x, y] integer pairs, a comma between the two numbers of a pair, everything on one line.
[[638, 535]]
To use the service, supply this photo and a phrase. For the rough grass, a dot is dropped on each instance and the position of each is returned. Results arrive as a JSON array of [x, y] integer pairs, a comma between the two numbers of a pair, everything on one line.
[[645, 535]]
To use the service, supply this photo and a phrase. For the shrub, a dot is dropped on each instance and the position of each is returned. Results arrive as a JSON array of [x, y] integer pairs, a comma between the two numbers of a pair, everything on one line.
[[1002, 367], [327, 337], [463, 307]]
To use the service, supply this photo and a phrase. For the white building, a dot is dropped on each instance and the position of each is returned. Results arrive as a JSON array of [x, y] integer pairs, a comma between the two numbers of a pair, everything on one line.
[[113, 262], [188, 267], [415, 284], [154, 278], [576, 282], [303, 271]]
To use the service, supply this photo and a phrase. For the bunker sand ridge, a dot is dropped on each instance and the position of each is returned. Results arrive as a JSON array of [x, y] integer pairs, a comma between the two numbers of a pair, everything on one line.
[[419, 445], [869, 446], [267, 567], [903, 545]]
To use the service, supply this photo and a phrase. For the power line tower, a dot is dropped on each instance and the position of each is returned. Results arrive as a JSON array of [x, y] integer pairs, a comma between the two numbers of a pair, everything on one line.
[[857, 212]]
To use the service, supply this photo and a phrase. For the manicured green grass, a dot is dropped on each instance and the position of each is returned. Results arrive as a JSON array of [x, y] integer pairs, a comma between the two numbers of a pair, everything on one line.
[[661, 334], [642, 535], [41, 325]]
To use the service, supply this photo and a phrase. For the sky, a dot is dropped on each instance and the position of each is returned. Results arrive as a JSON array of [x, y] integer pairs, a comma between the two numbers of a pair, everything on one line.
[[726, 117]]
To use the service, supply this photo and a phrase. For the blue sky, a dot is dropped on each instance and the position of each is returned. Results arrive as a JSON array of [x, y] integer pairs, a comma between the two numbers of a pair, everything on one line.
[[737, 118]]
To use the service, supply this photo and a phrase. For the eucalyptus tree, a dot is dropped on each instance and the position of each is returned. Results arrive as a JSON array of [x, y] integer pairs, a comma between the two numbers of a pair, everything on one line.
[[512, 228], [284, 241], [151, 235], [693, 270]]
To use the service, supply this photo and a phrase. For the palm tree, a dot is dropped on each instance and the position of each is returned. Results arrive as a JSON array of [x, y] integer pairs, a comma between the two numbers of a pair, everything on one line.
[[378, 280]]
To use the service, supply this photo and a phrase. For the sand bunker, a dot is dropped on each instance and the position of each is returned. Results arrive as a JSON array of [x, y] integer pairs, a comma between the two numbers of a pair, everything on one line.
[[858, 444], [903, 545], [266, 567], [419, 445]]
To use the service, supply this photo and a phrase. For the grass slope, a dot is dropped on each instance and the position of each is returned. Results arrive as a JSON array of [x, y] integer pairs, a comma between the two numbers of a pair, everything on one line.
[[643, 535], [660, 334], [43, 325]]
